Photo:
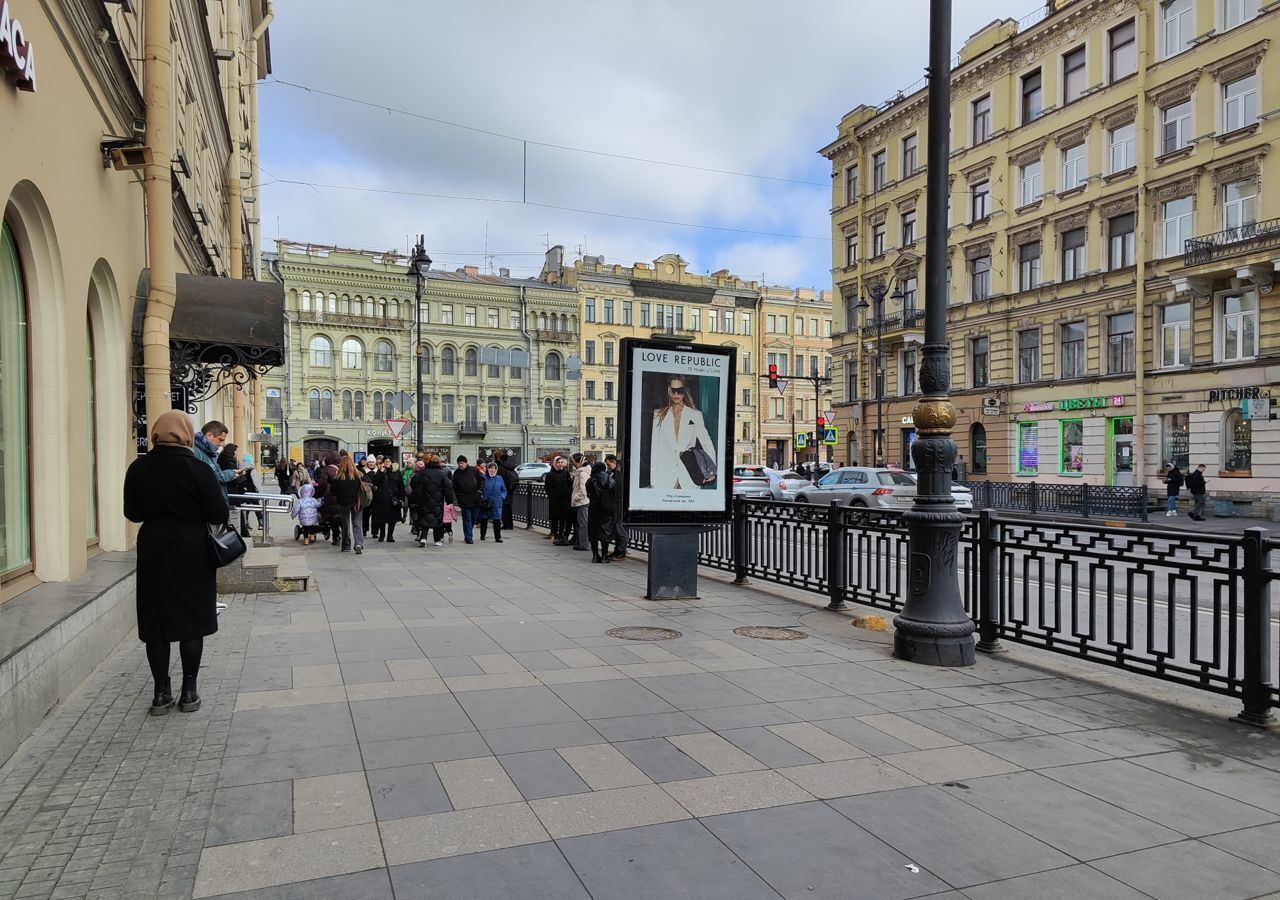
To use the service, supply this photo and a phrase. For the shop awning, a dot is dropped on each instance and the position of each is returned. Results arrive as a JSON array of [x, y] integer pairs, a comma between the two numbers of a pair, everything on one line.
[[217, 319]]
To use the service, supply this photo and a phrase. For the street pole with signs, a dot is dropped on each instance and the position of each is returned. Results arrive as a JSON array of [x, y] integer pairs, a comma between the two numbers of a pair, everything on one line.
[[418, 267]]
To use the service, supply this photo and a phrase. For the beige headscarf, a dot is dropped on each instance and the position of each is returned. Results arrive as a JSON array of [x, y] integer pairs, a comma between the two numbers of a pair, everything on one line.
[[173, 429]]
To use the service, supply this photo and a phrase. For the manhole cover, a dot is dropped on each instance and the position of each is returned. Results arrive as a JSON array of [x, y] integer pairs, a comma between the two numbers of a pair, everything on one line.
[[643, 633], [770, 633]]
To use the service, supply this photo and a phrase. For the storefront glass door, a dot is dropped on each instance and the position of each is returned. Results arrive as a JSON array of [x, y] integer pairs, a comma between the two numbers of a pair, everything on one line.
[[1122, 461]]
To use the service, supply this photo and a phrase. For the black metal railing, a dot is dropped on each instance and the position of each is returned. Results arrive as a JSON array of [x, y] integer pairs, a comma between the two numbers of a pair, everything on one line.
[[1193, 610], [472, 426], [1230, 241], [1076, 500], [904, 319]]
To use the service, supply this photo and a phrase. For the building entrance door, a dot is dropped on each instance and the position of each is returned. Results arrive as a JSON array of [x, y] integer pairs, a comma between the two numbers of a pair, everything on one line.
[[1122, 462], [316, 448]]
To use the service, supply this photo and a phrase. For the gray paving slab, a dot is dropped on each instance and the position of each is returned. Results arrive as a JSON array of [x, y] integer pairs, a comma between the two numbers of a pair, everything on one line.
[[250, 812], [633, 728], [454, 640], [1220, 774], [1070, 883], [531, 872], [515, 707], [426, 749], [373, 884], [407, 717], [541, 737], [609, 699], [407, 791], [1190, 870], [290, 728], [1257, 845], [689, 692], [542, 773], [287, 764], [661, 760], [767, 747]]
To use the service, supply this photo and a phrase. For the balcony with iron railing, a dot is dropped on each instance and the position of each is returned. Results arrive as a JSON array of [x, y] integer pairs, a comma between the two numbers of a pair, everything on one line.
[[1232, 242], [556, 335], [327, 318], [895, 321], [472, 427]]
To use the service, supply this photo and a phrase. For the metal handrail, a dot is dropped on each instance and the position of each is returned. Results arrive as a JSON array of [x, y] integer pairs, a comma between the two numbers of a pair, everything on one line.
[[262, 503]]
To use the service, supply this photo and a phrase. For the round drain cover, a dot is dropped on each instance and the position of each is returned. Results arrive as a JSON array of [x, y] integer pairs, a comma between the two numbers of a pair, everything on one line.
[[643, 633], [770, 633]]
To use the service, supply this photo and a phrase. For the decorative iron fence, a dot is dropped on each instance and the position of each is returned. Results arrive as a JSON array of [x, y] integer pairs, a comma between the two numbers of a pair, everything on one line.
[[1191, 610], [1079, 500], [1230, 241]]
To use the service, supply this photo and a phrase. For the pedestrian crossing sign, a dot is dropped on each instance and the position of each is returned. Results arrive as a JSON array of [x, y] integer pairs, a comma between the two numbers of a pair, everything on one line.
[[831, 435], [802, 440]]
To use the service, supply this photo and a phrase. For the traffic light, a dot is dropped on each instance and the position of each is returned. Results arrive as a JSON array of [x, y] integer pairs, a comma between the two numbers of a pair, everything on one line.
[[773, 375], [822, 423]]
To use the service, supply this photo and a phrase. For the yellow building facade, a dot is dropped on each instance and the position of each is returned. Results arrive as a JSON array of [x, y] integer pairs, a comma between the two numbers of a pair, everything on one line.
[[795, 336], [1112, 249]]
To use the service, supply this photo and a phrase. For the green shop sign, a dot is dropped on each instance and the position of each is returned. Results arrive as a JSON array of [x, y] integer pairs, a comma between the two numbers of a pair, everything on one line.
[[1075, 403]]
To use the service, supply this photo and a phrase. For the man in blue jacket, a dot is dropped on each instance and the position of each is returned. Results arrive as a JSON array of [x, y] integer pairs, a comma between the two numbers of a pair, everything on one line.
[[209, 441]]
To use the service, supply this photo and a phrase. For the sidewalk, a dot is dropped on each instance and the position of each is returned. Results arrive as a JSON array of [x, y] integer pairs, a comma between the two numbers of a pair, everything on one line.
[[456, 723]]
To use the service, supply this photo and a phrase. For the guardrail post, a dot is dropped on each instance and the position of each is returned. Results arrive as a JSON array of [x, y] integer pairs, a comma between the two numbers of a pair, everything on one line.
[[1145, 499], [741, 545], [836, 574], [1257, 630], [528, 505], [1034, 504], [1084, 499], [988, 562]]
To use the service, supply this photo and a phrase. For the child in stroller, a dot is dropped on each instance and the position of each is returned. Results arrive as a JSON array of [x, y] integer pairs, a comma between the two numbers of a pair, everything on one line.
[[306, 509]]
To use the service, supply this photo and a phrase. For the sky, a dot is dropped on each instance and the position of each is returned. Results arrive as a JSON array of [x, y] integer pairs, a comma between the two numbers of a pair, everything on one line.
[[754, 87]]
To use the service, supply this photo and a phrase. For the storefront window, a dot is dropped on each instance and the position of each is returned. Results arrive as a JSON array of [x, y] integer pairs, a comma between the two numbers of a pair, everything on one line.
[[978, 448], [908, 441], [1028, 448], [1237, 443], [1072, 446], [1175, 440], [15, 524]]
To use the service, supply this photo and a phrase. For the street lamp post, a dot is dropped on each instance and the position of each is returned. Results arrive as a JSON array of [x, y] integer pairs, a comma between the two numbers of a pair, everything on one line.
[[878, 291], [418, 267], [933, 627]]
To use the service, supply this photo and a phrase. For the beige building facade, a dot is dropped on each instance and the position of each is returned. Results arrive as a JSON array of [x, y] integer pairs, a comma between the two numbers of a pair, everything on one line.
[[1113, 242], [795, 336]]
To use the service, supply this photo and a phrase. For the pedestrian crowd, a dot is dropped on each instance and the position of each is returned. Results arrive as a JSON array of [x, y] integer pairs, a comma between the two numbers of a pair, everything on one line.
[[1175, 480]]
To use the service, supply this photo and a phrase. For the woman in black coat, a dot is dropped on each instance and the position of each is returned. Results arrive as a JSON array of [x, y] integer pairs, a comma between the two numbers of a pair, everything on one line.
[[429, 490], [559, 486], [176, 497], [388, 499], [600, 510]]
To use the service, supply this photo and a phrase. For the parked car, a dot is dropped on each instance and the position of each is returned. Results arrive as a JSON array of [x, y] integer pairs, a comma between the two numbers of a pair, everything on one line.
[[533, 471], [751, 481], [784, 485], [872, 488]]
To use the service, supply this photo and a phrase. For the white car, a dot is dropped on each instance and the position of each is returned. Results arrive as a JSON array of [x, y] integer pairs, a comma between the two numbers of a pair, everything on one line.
[[533, 471], [784, 485], [861, 486]]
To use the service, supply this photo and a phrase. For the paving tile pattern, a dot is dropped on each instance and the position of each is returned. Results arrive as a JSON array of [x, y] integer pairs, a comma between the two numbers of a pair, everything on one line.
[[457, 723]]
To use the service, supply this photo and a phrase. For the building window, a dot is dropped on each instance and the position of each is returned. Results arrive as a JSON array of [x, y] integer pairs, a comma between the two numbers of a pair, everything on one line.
[[877, 240], [981, 119], [1075, 79], [608, 427], [359, 402], [745, 322], [1122, 145], [589, 309], [910, 294], [980, 201], [644, 315], [448, 361], [1073, 167], [608, 353], [1177, 22], [1238, 326], [1029, 266], [551, 369], [1030, 183], [493, 318], [910, 155], [626, 312], [326, 404], [1028, 356], [1175, 127], [1120, 348], [384, 357], [1240, 103], [695, 320], [1032, 97], [608, 311], [348, 410], [590, 387], [446, 313], [1237, 443], [746, 363], [879, 383], [1071, 446], [1240, 205], [1120, 235], [15, 487], [908, 366], [589, 352], [980, 278], [978, 448], [352, 354], [850, 184], [608, 390], [746, 396], [1175, 335], [516, 405], [980, 361], [851, 381], [1175, 440], [879, 170], [447, 408], [470, 363], [908, 228], [1122, 51], [490, 359], [1176, 216], [469, 316], [378, 409], [1072, 341], [495, 410], [557, 412], [305, 303], [851, 250], [313, 403], [1028, 448], [321, 352], [1073, 254], [1237, 12], [273, 409]]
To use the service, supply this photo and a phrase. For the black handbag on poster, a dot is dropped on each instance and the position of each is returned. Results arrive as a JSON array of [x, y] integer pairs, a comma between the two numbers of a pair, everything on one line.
[[225, 544], [699, 463]]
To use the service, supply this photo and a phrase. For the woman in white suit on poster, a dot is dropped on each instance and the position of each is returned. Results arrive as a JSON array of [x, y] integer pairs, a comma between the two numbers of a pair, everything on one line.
[[677, 427]]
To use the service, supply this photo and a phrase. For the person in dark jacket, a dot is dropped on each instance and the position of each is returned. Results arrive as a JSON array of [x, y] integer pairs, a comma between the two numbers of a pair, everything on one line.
[[1198, 489], [495, 495], [330, 514], [619, 536], [468, 486], [601, 506], [429, 490], [243, 483], [1173, 480], [388, 499], [213, 434], [345, 487], [176, 497], [559, 485], [507, 472], [283, 471]]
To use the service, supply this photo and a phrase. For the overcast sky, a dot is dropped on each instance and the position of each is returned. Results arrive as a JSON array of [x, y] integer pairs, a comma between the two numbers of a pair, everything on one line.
[[748, 86]]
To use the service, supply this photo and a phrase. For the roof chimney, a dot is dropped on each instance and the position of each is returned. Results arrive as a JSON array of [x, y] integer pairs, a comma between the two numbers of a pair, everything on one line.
[[471, 270]]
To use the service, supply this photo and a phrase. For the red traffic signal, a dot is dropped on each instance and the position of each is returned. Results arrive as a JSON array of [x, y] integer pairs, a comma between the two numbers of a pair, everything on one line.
[[773, 375], [822, 422]]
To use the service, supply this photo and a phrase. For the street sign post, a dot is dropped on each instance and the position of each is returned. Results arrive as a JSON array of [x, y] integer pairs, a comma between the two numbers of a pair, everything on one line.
[[397, 427]]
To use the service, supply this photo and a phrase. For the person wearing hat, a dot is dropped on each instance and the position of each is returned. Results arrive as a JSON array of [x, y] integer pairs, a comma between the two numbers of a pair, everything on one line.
[[176, 497]]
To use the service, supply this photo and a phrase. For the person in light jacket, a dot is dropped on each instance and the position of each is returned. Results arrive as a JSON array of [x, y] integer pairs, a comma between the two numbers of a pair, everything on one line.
[[677, 427], [579, 502]]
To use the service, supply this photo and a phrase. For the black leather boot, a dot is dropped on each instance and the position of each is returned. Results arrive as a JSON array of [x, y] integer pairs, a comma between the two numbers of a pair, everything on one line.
[[162, 702], [189, 701]]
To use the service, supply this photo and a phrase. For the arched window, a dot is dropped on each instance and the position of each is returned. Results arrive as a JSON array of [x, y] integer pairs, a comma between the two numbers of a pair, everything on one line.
[[306, 301], [313, 400], [564, 323], [326, 404], [384, 356], [91, 382], [978, 448], [547, 413], [542, 322], [352, 354], [393, 309], [378, 409], [346, 405], [321, 351], [448, 361], [333, 302], [470, 365], [424, 359], [1237, 443], [551, 369], [393, 403], [368, 306], [344, 305], [359, 410], [15, 549], [558, 409], [382, 308]]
